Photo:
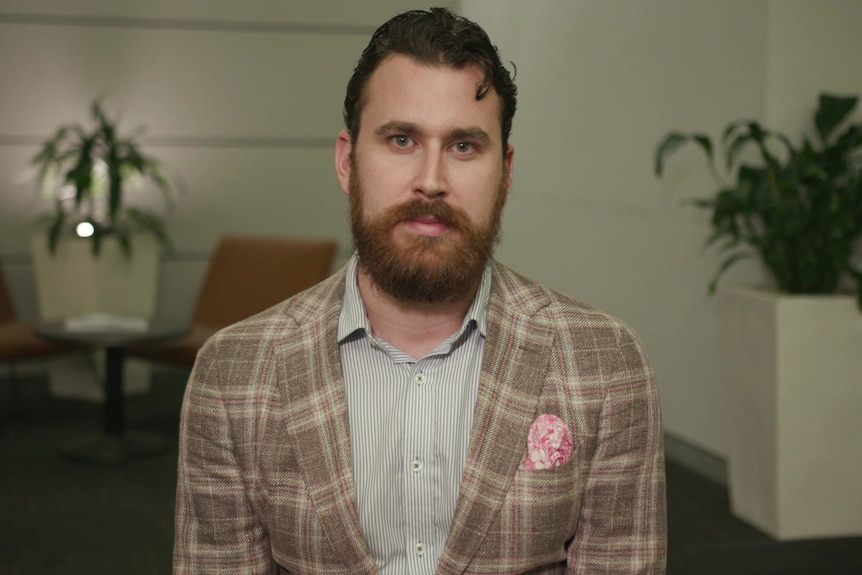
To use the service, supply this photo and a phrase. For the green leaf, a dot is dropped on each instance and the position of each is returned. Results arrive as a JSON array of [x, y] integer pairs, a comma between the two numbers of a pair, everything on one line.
[[725, 265], [750, 175], [671, 143], [831, 111], [730, 133], [150, 224], [97, 239], [55, 231], [125, 242], [163, 183], [69, 156], [675, 140], [705, 144], [115, 184], [730, 242], [759, 136]]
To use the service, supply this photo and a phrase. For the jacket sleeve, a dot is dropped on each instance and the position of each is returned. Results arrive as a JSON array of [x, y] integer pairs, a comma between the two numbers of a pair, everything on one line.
[[216, 529], [622, 527]]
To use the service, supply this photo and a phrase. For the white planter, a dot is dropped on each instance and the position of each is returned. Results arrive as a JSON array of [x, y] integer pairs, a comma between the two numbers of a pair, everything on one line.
[[72, 282], [793, 368]]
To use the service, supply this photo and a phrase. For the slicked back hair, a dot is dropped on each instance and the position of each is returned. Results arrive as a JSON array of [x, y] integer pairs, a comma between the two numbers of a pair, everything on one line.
[[436, 37]]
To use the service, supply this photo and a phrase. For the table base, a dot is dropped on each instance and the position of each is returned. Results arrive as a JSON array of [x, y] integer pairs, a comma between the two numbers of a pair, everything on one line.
[[101, 448]]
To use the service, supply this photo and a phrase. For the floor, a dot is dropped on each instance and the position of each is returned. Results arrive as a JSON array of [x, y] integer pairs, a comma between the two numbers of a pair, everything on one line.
[[59, 516]]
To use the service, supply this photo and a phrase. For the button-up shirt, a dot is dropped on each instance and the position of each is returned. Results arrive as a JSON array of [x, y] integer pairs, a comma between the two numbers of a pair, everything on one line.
[[410, 427]]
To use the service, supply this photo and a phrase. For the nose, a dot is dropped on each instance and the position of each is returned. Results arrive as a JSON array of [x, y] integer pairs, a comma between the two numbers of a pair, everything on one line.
[[431, 181]]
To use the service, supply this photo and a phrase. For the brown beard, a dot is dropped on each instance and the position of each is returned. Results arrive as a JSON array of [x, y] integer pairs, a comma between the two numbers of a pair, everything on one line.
[[424, 269]]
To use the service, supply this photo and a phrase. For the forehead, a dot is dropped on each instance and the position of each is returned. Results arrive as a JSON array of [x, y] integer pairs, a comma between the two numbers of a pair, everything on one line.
[[405, 90]]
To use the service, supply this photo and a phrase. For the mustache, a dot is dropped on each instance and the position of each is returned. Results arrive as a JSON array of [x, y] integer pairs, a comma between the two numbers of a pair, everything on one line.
[[437, 209]]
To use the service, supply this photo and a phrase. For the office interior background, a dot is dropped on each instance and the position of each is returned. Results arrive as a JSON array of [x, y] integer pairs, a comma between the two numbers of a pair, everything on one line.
[[243, 100]]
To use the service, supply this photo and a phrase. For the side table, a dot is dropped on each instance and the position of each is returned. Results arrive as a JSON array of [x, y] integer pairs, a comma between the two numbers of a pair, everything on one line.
[[115, 444]]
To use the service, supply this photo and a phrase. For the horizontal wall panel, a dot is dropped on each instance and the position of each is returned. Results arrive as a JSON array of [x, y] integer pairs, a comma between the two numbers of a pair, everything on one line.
[[203, 84], [179, 286], [276, 191], [257, 191], [368, 13]]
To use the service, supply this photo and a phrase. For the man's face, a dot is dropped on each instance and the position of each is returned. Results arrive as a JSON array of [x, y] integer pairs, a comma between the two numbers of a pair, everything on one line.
[[427, 180]]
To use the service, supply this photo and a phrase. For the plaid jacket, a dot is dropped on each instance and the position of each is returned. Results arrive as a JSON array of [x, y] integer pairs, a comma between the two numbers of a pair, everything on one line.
[[265, 473]]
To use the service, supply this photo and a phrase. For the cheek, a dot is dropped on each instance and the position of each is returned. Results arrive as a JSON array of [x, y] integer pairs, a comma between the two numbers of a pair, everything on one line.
[[482, 202], [365, 190]]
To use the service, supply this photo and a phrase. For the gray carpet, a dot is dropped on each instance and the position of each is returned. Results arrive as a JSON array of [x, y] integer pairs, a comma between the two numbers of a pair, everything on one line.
[[62, 517]]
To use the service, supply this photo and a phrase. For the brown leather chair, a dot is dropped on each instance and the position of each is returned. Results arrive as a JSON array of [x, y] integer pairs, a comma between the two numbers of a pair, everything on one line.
[[246, 275], [18, 339]]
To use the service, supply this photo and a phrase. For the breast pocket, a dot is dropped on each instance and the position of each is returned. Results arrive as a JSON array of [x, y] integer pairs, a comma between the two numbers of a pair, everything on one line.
[[549, 498], [538, 517]]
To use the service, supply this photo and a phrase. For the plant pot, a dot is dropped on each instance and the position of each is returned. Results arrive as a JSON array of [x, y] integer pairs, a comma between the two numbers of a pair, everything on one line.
[[73, 281], [793, 368]]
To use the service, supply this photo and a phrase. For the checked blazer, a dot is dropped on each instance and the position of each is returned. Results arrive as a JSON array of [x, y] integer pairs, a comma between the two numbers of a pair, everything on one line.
[[265, 473]]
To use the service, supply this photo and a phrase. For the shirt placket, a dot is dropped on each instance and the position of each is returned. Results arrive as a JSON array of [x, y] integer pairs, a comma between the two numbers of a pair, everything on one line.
[[419, 473]]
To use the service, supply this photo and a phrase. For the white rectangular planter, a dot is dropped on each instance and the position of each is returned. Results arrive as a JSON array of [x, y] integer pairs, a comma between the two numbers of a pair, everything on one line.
[[793, 367], [73, 282]]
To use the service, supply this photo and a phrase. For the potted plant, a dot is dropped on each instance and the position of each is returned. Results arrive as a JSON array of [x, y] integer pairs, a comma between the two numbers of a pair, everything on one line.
[[799, 210], [791, 356], [86, 173], [100, 252], [85, 262]]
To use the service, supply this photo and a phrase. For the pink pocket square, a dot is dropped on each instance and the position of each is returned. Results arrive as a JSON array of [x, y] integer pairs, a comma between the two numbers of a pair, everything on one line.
[[549, 443]]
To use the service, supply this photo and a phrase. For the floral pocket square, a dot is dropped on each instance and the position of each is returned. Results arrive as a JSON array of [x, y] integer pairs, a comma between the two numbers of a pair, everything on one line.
[[549, 443]]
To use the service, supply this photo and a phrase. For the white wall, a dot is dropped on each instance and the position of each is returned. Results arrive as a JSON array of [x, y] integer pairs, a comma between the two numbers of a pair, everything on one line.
[[813, 47]]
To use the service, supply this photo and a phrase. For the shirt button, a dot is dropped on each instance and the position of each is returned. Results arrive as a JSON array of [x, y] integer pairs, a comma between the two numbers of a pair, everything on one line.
[[419, 549], [419, 378], [416, 465]]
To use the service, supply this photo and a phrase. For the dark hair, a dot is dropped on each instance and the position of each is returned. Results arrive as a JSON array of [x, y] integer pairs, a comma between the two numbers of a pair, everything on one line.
[[435, 37]]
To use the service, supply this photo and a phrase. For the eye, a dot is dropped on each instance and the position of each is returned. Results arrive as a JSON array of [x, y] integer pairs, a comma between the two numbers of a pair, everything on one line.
[[464, 147], [401, 141]]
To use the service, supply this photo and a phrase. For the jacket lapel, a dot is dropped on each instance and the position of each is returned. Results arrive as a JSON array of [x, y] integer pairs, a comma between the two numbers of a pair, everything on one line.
[[318, 426], [513, 373]]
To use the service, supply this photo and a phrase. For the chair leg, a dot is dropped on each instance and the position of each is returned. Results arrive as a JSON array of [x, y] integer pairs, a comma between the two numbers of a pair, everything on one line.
[[13, 398], [13, 381]]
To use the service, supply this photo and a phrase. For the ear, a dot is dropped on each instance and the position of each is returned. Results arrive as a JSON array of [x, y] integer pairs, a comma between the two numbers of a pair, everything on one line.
[[343, 165], [509, 161]]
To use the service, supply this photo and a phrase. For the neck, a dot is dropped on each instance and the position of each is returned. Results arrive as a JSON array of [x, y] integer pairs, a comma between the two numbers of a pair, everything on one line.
[[414, 328]]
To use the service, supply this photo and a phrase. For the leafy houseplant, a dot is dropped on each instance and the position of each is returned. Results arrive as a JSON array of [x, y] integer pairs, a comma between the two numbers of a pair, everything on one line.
[[88, 173], [798, 209]]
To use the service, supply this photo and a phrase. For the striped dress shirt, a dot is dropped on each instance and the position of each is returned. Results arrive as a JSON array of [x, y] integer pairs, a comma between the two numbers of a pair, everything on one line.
[[410, 427]]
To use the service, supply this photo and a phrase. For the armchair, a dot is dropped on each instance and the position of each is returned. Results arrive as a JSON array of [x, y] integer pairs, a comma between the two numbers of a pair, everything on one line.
[[246, 276]]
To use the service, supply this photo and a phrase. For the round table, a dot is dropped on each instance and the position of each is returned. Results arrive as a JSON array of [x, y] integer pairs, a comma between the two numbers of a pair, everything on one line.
[[115, 444]]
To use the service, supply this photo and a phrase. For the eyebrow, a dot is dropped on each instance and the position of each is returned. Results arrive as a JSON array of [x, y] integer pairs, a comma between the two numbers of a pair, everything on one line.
[[477, 134], [409, 129], [396, 128]]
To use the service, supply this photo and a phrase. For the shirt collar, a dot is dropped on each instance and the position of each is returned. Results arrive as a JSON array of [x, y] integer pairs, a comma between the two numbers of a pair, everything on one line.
[[353, 316]]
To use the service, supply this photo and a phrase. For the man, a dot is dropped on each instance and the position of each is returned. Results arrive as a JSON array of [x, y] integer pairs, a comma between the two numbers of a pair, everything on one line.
[[425, 410]]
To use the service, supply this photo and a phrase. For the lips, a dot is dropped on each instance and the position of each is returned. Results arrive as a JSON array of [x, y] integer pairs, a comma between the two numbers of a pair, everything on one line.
[[426, 220], [427, 226], [428, 213]]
